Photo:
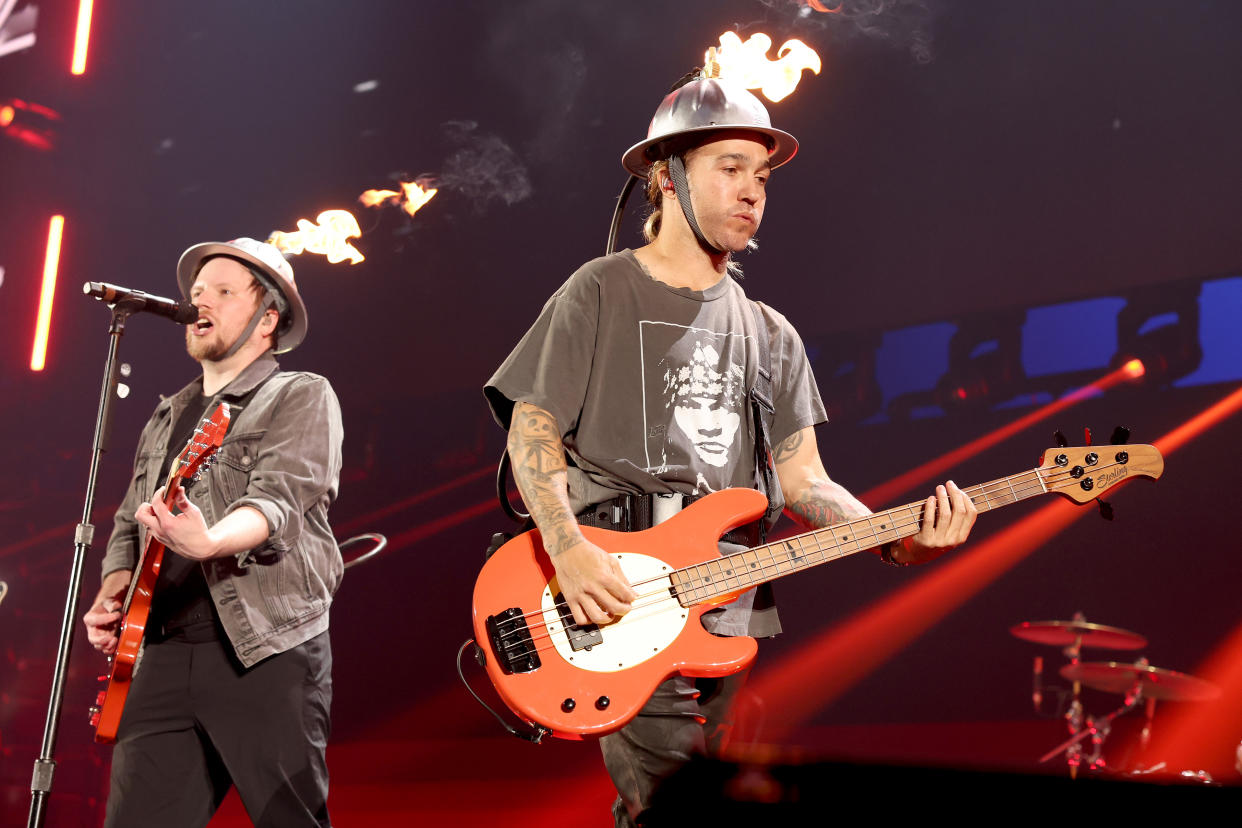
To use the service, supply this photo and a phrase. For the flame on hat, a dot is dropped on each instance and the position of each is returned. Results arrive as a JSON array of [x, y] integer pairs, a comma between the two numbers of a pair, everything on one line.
[[747, 64], [328, 236], [411, 198]]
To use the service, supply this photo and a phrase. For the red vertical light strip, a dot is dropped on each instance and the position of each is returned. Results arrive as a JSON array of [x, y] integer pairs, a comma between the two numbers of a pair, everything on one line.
[[82, 37], [43, 322]]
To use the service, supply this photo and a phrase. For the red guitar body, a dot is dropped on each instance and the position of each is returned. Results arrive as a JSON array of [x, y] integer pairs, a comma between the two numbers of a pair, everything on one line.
[[573, 698], [194, 459], [111, 701]]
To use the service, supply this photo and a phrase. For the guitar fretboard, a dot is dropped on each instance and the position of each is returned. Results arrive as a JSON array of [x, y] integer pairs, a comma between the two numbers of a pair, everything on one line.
[[708, 582]]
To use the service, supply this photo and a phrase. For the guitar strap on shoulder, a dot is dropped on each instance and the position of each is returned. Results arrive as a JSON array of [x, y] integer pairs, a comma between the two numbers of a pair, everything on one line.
[[762, 410]]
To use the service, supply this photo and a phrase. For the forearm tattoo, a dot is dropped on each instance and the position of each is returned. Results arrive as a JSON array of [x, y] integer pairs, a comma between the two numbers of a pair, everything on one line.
[[824, 504], [538, 458]]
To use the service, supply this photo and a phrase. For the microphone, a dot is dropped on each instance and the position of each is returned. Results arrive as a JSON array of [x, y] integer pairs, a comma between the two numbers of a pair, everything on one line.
[[177, 312]]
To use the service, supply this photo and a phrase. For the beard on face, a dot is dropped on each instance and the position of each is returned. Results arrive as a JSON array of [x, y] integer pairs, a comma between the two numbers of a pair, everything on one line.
[[204, 348]]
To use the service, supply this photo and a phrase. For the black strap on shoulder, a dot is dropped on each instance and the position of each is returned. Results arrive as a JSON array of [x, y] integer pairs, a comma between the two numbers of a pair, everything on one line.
[[762, 410]]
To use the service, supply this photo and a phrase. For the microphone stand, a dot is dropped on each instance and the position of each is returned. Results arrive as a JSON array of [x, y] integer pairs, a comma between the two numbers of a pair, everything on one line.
[[45, 765]]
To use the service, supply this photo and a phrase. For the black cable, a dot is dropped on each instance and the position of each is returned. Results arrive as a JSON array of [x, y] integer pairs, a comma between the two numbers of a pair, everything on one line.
[[502, 490], [618, 213], [536, 733]]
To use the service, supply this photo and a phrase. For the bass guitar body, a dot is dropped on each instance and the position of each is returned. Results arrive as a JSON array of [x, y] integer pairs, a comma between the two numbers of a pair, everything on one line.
[[580, 681]]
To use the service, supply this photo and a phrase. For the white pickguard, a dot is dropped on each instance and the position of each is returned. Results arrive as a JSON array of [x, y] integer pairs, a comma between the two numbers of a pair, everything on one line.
[[654, 622]]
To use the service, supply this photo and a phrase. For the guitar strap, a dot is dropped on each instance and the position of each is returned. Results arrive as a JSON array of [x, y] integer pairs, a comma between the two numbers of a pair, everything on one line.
[[762, 410]]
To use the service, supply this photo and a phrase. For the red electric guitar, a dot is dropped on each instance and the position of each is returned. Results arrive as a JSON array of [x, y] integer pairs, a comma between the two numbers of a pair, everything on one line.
[[194, 459], [577, 681]]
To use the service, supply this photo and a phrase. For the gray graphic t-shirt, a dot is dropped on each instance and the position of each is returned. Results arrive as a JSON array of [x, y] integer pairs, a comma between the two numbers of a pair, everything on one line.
[[648, 383]]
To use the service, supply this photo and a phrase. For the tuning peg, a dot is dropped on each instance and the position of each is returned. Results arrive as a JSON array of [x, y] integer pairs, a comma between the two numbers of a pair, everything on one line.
[[1121, 436], [1060, 438], [1106, 508]]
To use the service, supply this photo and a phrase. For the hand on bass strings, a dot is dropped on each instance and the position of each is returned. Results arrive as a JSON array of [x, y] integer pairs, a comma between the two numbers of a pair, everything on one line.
[[948, 516], [103, 619], [595, 588]]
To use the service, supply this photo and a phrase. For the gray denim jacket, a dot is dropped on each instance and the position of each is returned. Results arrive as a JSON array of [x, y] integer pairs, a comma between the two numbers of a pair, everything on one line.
[[282, 456]]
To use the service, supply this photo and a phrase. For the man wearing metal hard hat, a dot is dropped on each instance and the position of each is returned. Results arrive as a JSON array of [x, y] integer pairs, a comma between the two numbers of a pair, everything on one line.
[[650, 380], [235, 679]]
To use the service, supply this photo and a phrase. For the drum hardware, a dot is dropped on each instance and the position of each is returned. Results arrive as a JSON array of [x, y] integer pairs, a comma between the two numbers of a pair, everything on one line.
[[1138, 682], [1072, 636]]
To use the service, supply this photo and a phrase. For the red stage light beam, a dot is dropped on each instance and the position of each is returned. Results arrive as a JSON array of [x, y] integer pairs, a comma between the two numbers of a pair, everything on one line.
[[406, 502], [1203, 734], [82, 37], [890, 491], [839, 657], [1206, 734], [43, 322]]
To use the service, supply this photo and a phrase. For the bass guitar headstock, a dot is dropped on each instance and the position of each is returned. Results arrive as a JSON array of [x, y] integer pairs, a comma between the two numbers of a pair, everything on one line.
[[1083, 473]]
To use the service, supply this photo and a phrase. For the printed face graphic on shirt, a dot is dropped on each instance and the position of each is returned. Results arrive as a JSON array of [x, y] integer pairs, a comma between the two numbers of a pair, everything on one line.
[[705, 396], [694, 404]]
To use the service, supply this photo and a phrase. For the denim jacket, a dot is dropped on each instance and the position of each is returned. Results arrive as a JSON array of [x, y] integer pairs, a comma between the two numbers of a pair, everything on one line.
[[281, 455]]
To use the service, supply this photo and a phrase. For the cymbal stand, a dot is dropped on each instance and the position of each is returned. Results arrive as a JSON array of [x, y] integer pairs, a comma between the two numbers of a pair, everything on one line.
[[1074, 715], [1098, 730]]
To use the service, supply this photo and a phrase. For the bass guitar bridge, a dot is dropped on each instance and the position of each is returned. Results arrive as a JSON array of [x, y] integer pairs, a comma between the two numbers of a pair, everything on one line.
[[511, 642]]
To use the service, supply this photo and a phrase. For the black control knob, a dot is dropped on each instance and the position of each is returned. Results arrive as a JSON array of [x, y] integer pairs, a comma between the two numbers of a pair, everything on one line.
[[1092, 458], [568, 705], [1123, 457], [1077, 472], [602, 703], [1062, 460], [1087, 484]]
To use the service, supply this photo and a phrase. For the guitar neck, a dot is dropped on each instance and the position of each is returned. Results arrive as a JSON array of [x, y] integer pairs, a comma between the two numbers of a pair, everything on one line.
[[708, 582]]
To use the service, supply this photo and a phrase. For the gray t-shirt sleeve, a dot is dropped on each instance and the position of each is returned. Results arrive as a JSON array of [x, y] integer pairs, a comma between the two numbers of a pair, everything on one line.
[[797, 401], [551, 366]]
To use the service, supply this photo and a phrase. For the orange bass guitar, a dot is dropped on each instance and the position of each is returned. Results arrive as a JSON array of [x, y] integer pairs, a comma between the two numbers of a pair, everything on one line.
[[193, 460], [574, 681]]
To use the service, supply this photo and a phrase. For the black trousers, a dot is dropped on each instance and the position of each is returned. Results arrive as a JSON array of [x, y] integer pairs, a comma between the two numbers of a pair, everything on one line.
[[196, 722], [685, 717]]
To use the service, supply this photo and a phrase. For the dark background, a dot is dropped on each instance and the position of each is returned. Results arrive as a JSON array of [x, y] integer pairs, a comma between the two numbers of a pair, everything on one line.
[[965, 167]]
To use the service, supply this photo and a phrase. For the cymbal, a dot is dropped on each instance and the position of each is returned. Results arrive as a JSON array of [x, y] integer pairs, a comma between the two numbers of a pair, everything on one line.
[[1065, 633], [1157, 682]]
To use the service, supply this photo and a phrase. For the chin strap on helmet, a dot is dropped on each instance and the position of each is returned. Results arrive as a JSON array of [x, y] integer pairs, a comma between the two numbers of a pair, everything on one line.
[[270, 298], [681, 186]]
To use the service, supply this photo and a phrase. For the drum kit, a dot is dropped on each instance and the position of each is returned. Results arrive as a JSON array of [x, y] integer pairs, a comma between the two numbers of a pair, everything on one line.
[[1139, 683]]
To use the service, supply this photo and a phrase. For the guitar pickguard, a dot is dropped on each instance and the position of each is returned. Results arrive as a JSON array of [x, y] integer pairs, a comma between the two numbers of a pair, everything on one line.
[[651, 626]]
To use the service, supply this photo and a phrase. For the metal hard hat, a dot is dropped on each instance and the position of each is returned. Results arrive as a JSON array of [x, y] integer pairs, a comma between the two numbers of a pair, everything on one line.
[[706, 105], [271, 263]]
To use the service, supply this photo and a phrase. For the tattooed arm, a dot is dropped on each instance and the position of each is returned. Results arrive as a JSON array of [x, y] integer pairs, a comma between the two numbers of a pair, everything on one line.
[[592, 582], [815, 500]]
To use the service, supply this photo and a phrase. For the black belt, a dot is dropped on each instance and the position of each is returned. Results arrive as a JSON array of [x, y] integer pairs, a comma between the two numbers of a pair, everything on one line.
[[194, 632], [634, 513]]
